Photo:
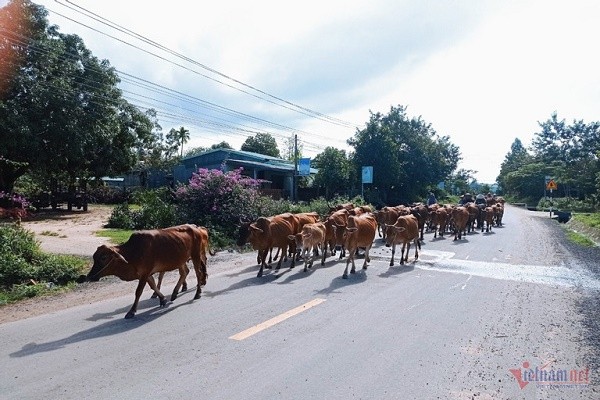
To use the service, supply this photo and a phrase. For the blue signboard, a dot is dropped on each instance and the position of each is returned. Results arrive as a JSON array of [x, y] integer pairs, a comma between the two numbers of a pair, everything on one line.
[[304, 167], [367, 174]]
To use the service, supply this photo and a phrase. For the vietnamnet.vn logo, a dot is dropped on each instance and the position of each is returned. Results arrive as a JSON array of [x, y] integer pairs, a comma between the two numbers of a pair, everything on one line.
[[545, 375]]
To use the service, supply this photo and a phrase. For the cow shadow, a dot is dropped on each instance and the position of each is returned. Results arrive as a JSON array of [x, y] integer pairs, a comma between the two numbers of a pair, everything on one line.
[[269, 275], [108, 328], [438, 238], [398, 269], [338, 283]]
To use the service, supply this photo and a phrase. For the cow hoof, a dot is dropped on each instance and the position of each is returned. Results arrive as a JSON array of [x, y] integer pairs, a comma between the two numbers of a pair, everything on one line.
[[259, 275], [345, 276], [129, 315], [154, 295], [391, 264], [196, 297], [163, 302]]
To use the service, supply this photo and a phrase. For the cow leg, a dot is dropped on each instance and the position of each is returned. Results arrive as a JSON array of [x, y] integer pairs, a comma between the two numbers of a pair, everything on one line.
[[262, 264], [138, 293], [201, 274], [402, 257], [393, 254], [367, 259], [417, 247], [156, 290], [160, 279], [351, 255], [345, 275], [183, 271]]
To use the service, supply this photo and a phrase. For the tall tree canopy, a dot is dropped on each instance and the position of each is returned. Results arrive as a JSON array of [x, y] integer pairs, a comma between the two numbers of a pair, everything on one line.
[[262, 143], [334, 171], [570, 153], [407, 155], [516, 158], [61, 112]]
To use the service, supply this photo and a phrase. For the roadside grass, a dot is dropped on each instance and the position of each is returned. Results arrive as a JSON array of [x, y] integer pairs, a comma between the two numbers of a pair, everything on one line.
[[29, 290], [579, 239], [584, 229], [591, 220], [116, 236]]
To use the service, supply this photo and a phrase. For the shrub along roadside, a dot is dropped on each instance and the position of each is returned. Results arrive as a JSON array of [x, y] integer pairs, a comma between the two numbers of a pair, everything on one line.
[[26, 271]]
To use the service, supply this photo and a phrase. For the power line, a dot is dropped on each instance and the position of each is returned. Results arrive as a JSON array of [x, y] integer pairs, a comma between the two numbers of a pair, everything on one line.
[[203, 123], [282, 102]]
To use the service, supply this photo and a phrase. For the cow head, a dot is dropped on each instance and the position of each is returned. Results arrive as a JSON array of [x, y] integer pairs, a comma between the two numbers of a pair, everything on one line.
[[107, 261], [391, 231], [243, 232]]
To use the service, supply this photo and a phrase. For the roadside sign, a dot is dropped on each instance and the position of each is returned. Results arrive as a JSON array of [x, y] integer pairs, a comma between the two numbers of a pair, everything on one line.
[[367, 174], [551, 185], [304, 167]]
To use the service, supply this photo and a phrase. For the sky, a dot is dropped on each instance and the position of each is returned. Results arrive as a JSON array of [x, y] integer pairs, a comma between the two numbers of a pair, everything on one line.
[[481, 72]]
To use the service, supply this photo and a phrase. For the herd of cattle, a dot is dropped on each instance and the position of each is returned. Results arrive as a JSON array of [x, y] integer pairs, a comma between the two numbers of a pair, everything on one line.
[[346, 229]]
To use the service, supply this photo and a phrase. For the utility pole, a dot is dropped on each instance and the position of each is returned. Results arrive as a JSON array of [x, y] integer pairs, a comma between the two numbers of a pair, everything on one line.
[[295, 180]]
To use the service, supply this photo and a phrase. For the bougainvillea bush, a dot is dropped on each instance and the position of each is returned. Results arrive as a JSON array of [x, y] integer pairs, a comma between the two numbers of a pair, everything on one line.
[[218, 199]]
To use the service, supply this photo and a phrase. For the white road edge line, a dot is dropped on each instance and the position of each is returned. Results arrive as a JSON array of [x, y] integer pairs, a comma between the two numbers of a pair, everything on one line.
[[274, 321]]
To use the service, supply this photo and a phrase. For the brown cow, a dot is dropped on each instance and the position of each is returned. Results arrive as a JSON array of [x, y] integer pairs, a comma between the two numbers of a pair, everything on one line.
[[152, 251], [405, 231], [460, 218], [419, 210], [499, 213], [473, 215], [336, 226], [488, 216], [267, 233], [359, 232], [205, 245], [442, 215], [310, 240]]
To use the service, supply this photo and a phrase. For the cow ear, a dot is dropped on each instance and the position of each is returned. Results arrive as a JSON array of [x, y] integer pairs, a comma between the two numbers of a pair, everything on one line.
[[117, 255], [353, 229]]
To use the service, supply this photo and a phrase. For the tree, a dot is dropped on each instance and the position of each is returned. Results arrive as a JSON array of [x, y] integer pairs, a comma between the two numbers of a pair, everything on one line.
[[221, 145], [177, 138], [262, 143], [292, 152], [575, 147], [460, 181], [334, 171], [516, 158], [407, 155], [61, 111]]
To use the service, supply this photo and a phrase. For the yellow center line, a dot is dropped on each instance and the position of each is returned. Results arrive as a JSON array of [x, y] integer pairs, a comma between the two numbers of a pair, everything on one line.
[[274, 321]]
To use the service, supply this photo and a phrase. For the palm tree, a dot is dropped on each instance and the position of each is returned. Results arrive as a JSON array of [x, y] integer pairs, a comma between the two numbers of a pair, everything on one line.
[[182, 135]]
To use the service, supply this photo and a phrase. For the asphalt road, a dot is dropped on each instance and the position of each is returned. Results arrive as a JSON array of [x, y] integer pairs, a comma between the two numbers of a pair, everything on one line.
[[451, 326]]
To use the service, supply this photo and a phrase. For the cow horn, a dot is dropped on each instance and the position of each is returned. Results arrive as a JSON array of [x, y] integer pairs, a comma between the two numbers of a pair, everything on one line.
[[399, 228], [256, 228]]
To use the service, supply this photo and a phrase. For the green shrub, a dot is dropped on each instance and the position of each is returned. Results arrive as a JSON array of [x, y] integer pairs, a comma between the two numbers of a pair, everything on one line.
[[14, 269], [121, 217], [157, 209], [565, 203], [57, 268], [22, 261]]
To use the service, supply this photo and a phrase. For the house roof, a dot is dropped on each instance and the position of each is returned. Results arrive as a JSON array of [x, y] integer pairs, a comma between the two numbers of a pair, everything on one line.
[[254, 160]]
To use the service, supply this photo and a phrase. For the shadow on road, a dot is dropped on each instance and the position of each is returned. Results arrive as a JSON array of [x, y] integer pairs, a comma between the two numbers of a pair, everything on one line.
[[109, 328]]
